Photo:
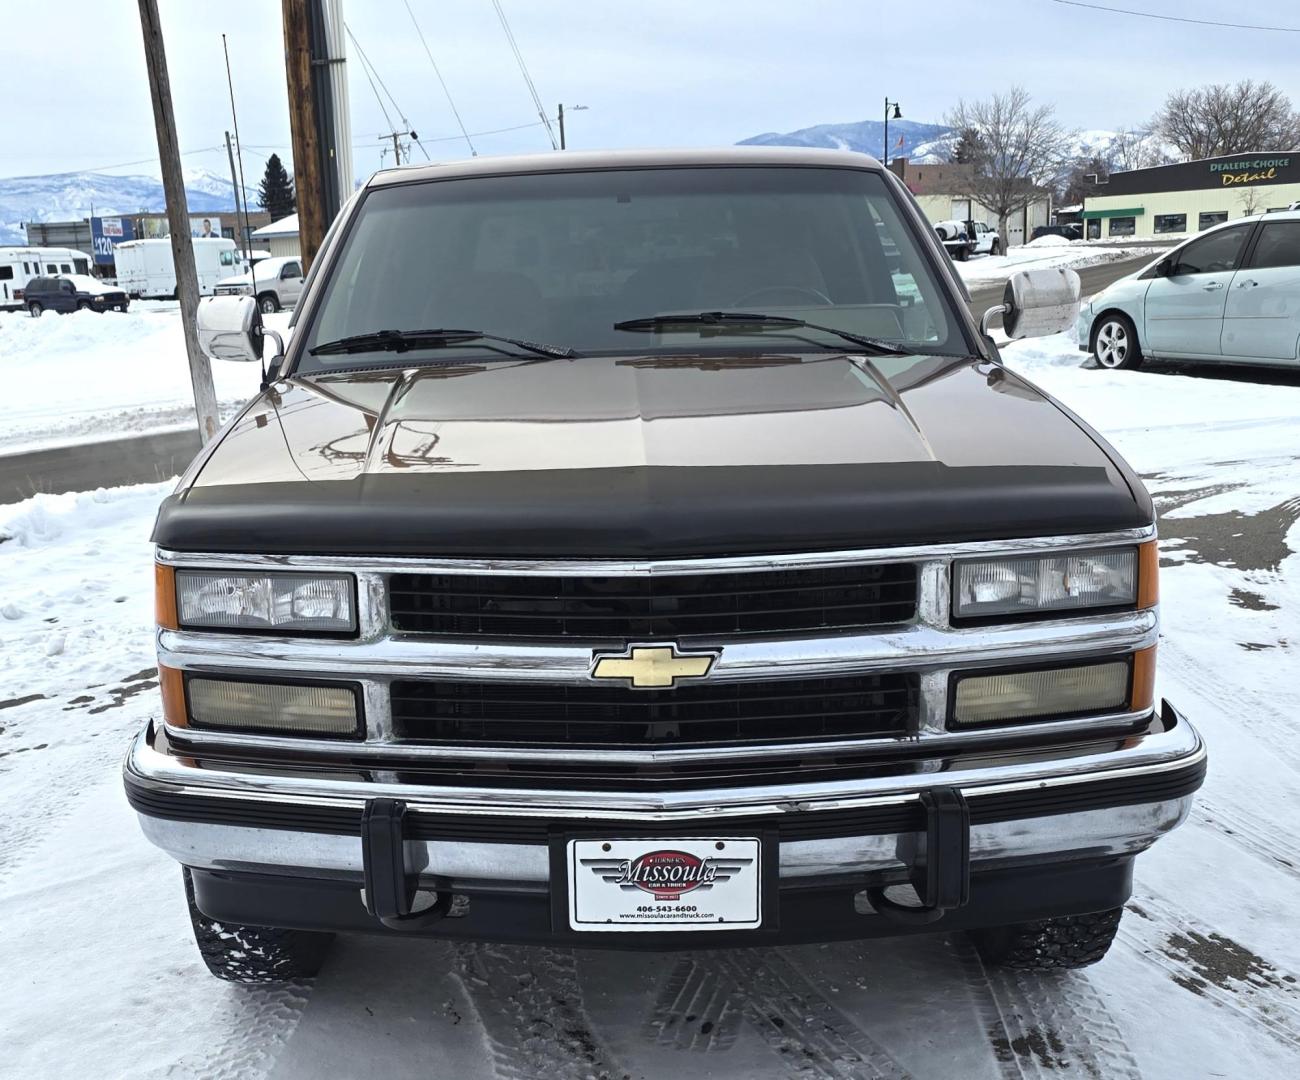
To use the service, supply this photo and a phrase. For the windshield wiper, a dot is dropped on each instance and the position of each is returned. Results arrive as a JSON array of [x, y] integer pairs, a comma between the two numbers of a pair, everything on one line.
[[759, 321], [436, 338]]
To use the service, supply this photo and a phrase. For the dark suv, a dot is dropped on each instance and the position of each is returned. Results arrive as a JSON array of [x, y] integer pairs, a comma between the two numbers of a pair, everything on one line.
[[73, 292], [1070, 230]]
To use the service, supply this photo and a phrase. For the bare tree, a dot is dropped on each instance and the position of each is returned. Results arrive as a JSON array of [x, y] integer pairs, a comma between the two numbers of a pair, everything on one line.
[[1019, 147], [1252, 201], [1219, 119]]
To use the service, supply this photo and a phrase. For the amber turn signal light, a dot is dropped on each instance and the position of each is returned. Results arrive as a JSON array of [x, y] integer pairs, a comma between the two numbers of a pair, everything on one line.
[[164, 596], [172, 684], [1148, 591], [1142, 695]]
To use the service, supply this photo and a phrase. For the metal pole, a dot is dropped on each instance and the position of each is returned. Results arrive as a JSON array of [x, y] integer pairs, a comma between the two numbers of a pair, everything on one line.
[[886, 148], [178, 218], [561, 126]]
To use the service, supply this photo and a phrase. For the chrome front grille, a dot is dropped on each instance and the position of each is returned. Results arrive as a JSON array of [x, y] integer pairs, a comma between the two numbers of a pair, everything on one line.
[[598, 608], [511, 701], [738, 714]]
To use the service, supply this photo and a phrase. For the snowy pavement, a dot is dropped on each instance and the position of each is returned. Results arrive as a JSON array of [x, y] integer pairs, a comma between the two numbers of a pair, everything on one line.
[[85, 376], [101, 977]]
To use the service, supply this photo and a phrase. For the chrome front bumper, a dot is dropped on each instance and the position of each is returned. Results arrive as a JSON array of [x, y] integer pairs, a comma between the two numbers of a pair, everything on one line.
[[1083, 800]]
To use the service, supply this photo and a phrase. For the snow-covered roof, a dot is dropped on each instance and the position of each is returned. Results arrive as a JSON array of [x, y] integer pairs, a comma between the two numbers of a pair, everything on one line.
[[286, 226]]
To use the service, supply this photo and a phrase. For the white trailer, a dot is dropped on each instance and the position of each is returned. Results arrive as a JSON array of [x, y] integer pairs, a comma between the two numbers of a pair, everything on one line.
[[18, 265], [145, 268]]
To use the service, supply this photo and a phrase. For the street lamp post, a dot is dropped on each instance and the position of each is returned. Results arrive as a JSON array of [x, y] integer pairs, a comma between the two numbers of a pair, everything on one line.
[[898, 115], [572, 108]]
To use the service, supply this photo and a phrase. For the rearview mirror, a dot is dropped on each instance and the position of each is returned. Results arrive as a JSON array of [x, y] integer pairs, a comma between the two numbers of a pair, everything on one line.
[[230, 328], [1037, 303]]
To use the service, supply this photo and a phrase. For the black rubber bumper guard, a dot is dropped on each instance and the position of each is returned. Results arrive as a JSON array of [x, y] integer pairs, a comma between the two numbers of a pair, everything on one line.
[[940, 869]]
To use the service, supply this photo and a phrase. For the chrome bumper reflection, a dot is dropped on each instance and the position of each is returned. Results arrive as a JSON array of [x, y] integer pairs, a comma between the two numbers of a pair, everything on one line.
[[1120, 830]]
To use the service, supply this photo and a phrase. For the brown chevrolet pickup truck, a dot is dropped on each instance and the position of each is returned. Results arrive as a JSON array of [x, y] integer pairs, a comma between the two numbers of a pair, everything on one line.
[[648, 550]]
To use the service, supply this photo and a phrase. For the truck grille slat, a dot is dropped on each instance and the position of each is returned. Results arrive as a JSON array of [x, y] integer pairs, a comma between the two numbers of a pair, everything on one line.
[[627, 607], [799, 710]]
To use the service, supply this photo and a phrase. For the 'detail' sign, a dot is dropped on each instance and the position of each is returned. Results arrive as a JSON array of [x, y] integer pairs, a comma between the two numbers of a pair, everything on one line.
[[1249, 170]]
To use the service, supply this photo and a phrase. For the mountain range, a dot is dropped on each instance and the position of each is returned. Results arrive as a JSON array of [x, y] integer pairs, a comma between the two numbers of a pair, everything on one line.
[[930, 144], [76, 195]]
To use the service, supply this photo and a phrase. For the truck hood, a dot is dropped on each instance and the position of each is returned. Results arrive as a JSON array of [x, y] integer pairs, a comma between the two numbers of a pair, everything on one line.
[[650, 457]]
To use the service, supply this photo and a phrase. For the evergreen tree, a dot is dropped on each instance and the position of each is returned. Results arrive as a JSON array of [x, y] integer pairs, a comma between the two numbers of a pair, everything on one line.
[[276, 194], [967, 149]]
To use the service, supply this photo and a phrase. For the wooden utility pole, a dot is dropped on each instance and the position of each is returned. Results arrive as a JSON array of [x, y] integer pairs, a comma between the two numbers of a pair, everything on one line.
[[302, 128], [178, 217]]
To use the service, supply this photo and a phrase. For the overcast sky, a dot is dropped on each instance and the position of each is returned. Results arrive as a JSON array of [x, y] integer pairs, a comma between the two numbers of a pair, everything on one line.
[[652, 72]]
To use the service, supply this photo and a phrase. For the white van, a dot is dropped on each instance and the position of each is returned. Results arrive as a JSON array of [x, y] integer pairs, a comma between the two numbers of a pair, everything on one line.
[[145, 267], [18, 265]]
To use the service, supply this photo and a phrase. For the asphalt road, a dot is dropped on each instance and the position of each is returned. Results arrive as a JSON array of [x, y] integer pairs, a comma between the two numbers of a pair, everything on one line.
[[1093, 278]]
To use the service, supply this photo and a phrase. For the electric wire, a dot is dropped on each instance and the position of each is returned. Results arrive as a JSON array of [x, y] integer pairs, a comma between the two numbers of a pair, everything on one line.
[[1178, 18], [523, 70], [443, 82], [372, 75]]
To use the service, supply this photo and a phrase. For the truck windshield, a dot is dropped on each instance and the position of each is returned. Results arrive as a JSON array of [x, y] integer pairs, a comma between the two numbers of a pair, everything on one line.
[[565, 257]]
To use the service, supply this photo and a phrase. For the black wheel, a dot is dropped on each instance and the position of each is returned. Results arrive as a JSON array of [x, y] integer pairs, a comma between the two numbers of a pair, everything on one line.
[[82, 305], [1071, 941], [255, 954], [996, 249], [269, 303], [34, 309], [1115, 342]]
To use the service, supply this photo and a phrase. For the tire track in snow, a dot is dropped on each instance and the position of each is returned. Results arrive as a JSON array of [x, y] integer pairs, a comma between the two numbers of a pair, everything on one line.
[[697, 1009], [813, 1039], [1251, 832], [1213, 966], [1040, 1025], [529, 1002], [1277, 733]]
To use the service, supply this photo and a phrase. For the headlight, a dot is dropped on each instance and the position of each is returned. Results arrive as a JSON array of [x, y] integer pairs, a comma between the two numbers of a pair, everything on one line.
[[272, 603], [271, 708], [1052, 694], [1032, 584]]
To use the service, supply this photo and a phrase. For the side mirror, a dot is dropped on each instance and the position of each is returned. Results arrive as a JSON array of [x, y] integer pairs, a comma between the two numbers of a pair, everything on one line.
[[230, 328], [1037, 303]]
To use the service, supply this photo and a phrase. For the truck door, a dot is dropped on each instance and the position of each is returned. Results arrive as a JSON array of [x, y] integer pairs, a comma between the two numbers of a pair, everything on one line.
[[6, 284], [290, 284]]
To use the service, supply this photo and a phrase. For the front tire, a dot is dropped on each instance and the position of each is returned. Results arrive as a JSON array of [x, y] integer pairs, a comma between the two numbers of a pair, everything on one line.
[[996, 249], [255, 955], [1115, 342], [268, 303], [35, 310], [1060, 944]]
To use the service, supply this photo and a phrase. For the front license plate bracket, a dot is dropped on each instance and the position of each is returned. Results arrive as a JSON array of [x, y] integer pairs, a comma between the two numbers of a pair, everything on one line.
[[566, 844]]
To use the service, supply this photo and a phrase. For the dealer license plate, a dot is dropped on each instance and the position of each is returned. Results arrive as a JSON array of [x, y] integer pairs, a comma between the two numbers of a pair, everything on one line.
[[673, 884]]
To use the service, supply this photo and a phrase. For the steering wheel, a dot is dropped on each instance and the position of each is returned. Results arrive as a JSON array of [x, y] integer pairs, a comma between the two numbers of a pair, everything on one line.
[[781, 294]]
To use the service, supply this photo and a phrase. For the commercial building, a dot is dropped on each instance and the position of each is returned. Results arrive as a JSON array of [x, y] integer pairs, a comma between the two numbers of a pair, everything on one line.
[[937, 189], [1173, 201]]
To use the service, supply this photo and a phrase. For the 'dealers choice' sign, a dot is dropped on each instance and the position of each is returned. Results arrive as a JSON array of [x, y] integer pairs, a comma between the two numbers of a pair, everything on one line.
[[1249, 170], [106, 233]]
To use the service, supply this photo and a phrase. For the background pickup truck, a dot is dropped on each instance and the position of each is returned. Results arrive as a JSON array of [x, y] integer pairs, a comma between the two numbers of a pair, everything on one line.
[[649, 550], [966, 238]]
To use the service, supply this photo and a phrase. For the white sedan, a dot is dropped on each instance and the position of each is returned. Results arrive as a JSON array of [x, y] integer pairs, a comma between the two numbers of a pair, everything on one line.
[[1230, 295]]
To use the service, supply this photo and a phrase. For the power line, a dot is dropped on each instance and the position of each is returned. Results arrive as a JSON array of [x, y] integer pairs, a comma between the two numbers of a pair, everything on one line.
[[1178, 18], [523, 69], [434, 64], [370, 70], [149, 160]]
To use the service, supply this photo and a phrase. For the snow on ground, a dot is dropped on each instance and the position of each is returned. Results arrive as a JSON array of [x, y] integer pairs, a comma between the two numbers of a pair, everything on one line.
[[68, 378], [102, 978], [1039, 256]]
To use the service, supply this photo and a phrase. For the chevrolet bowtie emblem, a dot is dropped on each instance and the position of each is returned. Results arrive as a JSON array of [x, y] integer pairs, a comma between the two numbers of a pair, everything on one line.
[[649, 666]]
